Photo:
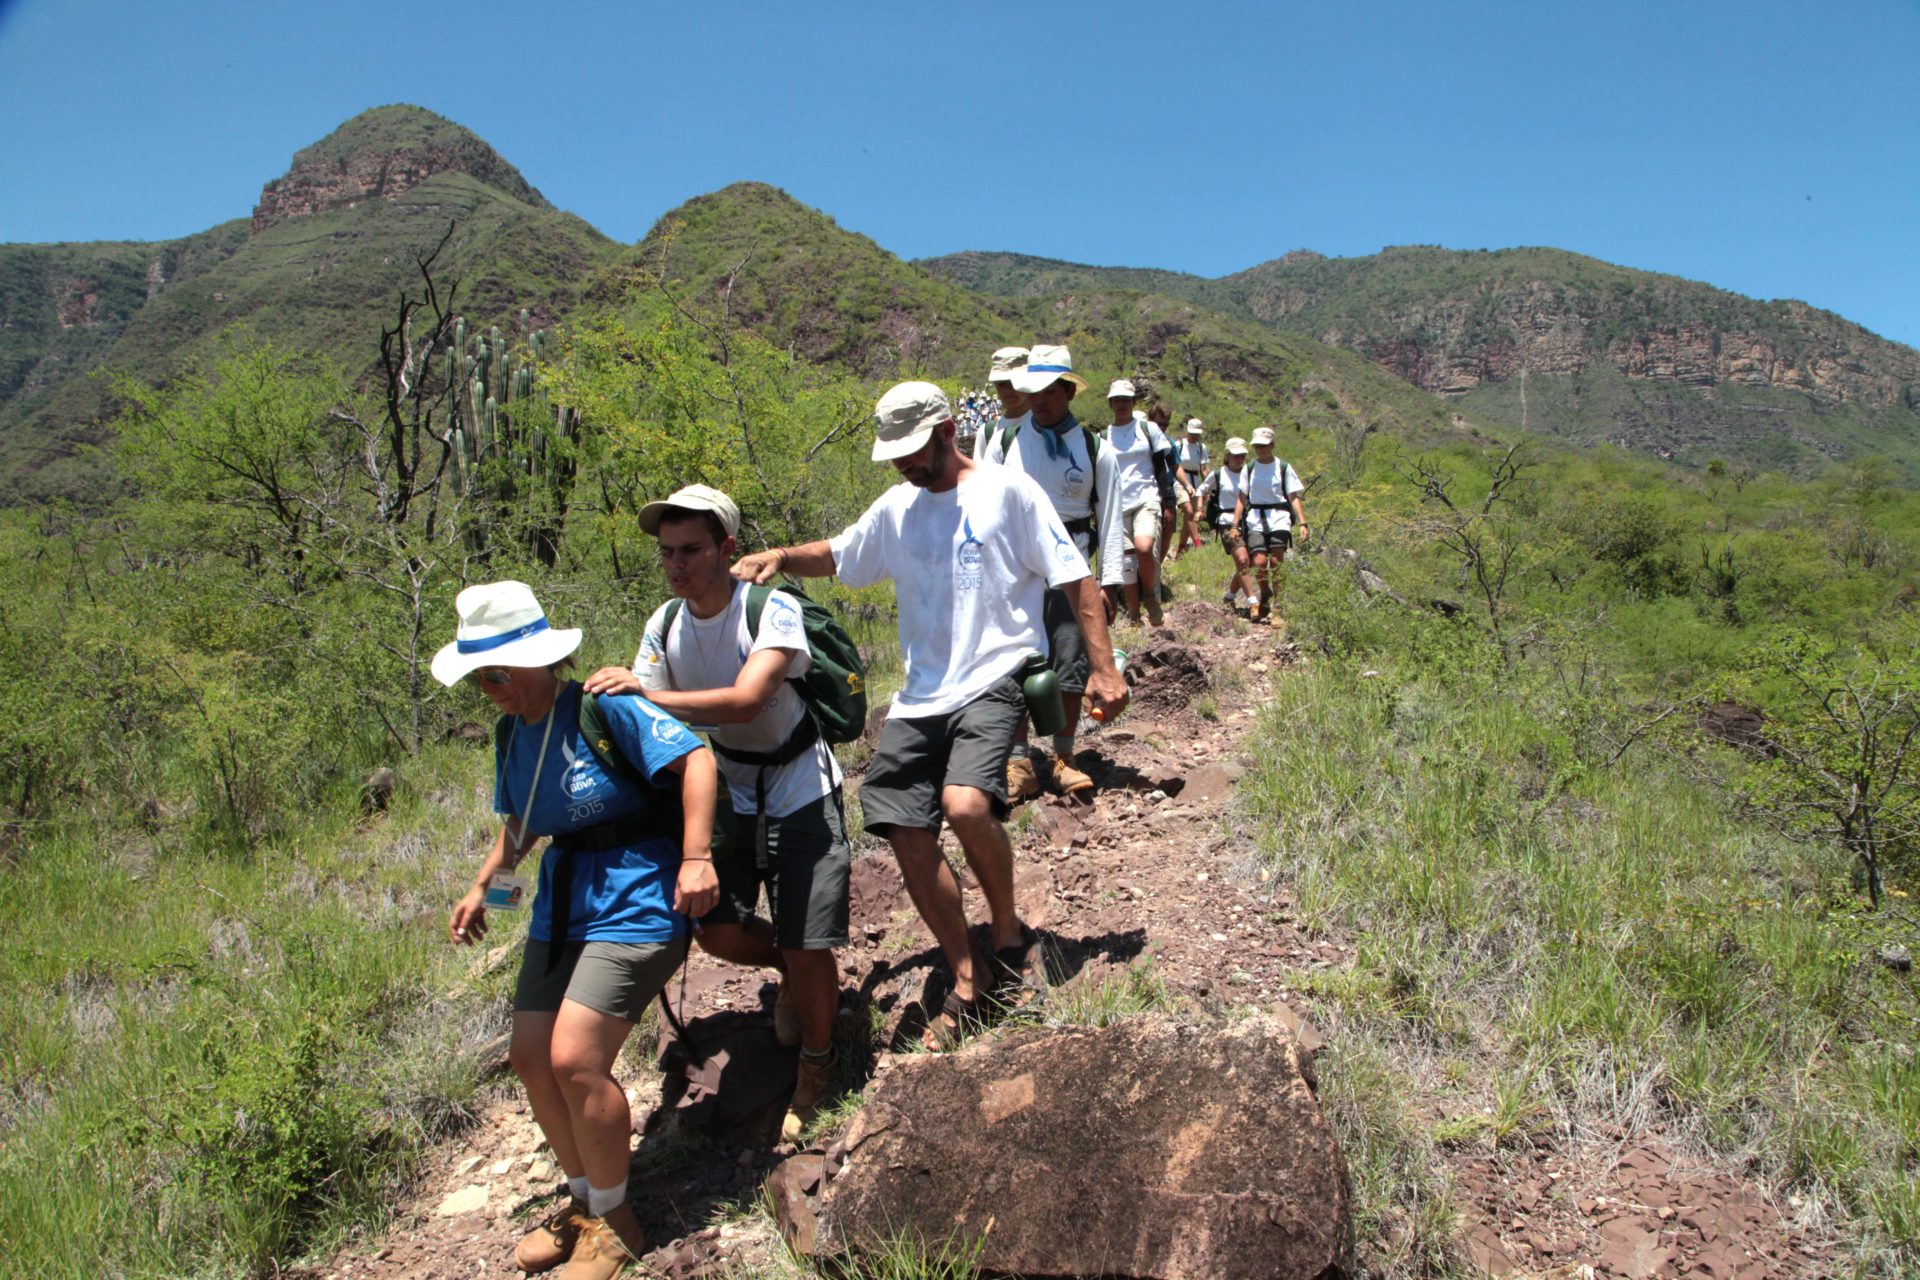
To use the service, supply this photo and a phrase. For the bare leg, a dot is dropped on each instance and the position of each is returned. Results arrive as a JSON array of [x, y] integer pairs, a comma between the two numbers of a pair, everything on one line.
[[983, 839], [586, 1043], [935, 891], [748, 945], [815, 976], [1149, 574], [531, 1054]]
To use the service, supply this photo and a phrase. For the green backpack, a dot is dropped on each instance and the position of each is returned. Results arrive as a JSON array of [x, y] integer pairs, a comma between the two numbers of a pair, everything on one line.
[[834, 686]]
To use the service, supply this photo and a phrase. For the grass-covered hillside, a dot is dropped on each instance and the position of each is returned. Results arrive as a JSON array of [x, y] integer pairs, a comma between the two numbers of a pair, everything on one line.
[[1656, 363]]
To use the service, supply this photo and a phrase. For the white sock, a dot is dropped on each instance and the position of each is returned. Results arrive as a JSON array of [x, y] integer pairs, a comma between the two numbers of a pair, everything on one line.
[[604, 1200], [578, 1188]]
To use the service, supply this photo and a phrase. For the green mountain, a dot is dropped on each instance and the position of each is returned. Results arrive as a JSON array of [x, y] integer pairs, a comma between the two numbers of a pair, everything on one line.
[[1611, 355], [316, 268]]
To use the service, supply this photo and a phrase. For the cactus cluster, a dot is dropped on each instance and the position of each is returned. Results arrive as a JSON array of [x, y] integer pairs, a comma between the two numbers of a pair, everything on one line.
[[507, 438]]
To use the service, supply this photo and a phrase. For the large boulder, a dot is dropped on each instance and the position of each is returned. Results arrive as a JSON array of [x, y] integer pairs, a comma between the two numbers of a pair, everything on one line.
[[1155, 1147]]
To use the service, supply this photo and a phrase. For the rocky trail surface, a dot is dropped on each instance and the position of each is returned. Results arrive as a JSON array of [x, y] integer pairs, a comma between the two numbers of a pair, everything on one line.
[[1156, 883]]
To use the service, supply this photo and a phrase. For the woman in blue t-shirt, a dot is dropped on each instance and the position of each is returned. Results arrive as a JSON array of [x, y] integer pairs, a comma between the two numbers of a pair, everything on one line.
[[628, 865]]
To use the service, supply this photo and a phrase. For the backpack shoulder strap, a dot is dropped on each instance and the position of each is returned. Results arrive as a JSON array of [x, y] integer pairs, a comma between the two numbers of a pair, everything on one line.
[[1007, 433], [593, 727], [757, 594]]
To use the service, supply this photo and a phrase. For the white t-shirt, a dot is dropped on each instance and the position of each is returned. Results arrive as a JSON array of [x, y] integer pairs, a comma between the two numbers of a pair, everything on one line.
[[1230, 484], [1192, 455], [708, 653], [1133, 445], [989, 438], [970, 569], [1271, 482], [1056, 459]]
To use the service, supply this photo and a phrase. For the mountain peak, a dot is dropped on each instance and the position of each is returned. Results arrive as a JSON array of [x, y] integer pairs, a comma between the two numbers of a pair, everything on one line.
[[379, 154]]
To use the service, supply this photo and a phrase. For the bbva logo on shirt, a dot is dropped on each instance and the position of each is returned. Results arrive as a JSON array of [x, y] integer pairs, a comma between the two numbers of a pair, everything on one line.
[[579, 778], [785, 619], [970, 557]]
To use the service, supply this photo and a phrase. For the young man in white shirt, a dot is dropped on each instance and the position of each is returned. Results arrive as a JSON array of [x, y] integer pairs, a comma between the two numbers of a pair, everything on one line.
[[1134, 441], [1270, 513], [971, 550], [1220, 491], [1065, 460], [703, 661], [1013, 402], [1191, 459]]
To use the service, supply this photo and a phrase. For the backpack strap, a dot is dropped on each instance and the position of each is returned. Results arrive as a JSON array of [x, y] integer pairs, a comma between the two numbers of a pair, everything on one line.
[[1007, 433], [757, 594]]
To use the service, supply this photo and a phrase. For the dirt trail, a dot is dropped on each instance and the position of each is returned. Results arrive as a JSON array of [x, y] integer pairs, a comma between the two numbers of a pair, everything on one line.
[[1160, 868]]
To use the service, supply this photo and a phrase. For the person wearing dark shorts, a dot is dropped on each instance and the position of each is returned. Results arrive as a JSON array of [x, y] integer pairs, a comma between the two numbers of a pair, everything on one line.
[[971, 550], [1270, 514], [704, 658]]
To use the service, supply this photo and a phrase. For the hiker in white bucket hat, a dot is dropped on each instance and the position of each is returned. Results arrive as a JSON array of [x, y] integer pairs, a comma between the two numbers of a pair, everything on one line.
[[630, 814], [1270, 513], [971, 549], [1065, 459]]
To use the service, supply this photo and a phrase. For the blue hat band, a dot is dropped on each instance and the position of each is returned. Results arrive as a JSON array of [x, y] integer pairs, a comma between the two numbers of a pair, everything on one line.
[[533, 628]]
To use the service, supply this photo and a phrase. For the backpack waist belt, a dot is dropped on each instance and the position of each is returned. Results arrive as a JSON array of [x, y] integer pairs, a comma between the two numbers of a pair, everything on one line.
[[804, 735], [1268, 506], [631, 829], [1076, 527]]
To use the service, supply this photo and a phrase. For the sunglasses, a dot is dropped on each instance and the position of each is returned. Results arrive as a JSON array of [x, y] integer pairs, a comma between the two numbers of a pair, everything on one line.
[[495, 676]]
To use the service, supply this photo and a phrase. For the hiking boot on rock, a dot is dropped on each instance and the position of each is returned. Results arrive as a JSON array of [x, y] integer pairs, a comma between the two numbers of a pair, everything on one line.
[[607, 1245], [809, 1090], [551, 1243], [1022, 782], [1069, 781], [786, 1015]]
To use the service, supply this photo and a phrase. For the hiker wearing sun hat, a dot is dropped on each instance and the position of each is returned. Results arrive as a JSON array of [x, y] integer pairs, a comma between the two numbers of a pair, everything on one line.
[[629, 862], [1141, 451], [1219, 502], [1065, 459], [971, 550], [1269, 511], [1191, 459], [1013, 401]]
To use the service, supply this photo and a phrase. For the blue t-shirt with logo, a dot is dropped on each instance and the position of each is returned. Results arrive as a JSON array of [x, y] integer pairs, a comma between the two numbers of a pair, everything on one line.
[[623, 894]]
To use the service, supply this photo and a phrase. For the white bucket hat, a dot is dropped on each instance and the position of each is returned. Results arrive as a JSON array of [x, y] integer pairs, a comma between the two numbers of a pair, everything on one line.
[[1122, 387], [501, 625], [1263, 435], [695, 497], [1046, 366], [904, 419], [1237, 447], [1005, 362]]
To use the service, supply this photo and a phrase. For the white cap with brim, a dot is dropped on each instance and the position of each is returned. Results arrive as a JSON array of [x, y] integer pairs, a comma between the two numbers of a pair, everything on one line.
[[695, 497], [1237, 446], [1046, 366], [1263, 435], [1122, 389], [501, 625], [905, 418], [1006, 361], [1194, 428]]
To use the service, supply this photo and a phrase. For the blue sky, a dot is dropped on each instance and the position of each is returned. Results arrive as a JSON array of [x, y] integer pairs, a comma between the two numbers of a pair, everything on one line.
[[1772, 149]]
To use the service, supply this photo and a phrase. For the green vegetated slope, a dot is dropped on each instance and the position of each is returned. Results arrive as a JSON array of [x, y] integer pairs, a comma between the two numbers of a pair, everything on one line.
[[329, 247], [1654, 362]]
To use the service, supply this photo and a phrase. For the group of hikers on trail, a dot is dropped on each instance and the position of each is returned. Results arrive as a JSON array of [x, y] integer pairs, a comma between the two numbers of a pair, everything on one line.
[[658, 840]]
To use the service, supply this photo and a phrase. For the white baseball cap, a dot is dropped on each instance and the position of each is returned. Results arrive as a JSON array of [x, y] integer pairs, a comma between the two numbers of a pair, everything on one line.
[[1194, 428], [1046, 366], [501, 625], [1005, 361], [1121, 387], [904, 419], [695, 497], [1263, 435], [1237, 446]]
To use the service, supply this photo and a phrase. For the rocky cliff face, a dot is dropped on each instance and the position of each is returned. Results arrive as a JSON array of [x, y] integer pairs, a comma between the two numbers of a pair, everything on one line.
[[376, 156]]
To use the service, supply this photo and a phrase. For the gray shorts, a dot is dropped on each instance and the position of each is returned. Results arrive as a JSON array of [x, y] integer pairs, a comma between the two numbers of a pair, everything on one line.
[[1066, 647], [615, 978], [919, 755], [807, 866], [1263, 543]]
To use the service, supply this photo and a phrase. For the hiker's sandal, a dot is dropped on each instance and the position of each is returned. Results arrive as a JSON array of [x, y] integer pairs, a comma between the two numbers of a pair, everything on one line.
[[956, 1020]]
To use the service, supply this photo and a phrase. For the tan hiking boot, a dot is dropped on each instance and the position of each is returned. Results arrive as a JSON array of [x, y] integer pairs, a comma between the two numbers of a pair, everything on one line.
[[607, 1245], [810, 1087], [1069, 781], [786, 1015], [551, 1243], [1022, 782]]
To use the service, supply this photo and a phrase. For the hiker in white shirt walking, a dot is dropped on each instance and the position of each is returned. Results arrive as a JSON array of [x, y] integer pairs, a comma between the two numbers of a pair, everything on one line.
[[1134, 440], [1269, 511]]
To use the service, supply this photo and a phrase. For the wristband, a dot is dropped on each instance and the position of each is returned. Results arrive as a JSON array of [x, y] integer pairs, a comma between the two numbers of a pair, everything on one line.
[[685, 858]]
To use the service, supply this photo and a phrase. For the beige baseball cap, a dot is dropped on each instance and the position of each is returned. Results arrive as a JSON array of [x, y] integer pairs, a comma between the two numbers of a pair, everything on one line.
[[695, 497], [904, 419], [1122, 387], [1005, 361], [1194, 428], [1263, 435], [1237, 446]]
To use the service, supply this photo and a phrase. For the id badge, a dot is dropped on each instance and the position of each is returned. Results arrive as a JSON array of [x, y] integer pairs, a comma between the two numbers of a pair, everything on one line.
[[507, 893]]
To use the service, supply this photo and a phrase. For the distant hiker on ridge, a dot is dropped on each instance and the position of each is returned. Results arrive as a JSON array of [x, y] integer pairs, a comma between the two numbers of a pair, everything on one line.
[[721, 653], [971, 550], [1065, 459]]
